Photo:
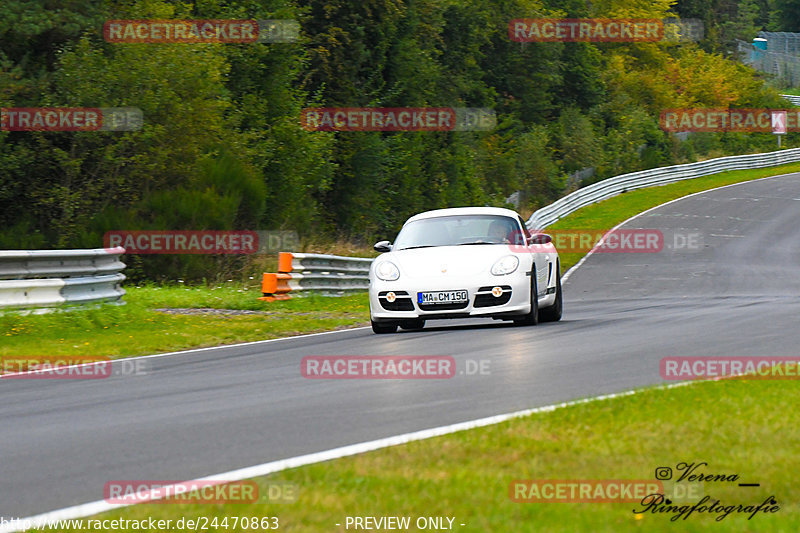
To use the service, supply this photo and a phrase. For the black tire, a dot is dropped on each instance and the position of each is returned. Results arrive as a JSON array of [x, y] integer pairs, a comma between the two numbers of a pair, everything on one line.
[[416, 323], [383, 327], [532, 318], [553, 313]]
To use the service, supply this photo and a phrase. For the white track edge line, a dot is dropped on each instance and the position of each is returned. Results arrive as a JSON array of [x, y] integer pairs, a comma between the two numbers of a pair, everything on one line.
[[91, 508]]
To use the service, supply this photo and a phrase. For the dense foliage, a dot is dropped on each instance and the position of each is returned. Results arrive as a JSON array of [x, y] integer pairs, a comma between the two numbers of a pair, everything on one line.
[[222, 147]]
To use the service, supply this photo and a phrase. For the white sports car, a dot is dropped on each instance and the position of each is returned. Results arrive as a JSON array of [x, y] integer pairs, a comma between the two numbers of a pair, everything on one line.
[[464, 262]]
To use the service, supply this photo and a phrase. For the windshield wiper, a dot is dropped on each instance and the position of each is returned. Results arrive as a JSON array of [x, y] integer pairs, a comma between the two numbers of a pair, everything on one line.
[[415, 247], [478, 242]]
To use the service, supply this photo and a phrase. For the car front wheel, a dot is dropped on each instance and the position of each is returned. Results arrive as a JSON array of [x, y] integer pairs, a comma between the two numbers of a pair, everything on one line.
[[417, 323], [553, 313], [383, 327]]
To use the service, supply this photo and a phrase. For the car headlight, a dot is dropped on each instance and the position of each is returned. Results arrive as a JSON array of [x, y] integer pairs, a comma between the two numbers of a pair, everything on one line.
[[505, 265], [387, 271]]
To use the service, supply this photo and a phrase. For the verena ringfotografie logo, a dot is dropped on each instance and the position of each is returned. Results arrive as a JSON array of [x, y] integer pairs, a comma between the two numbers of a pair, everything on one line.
[[183, 242], [70, 119], [197, 491], [683, 368], [398, 119], [377, 367], [68, 367], [582, 490], [732, 120], [691, 481], [201, 31]]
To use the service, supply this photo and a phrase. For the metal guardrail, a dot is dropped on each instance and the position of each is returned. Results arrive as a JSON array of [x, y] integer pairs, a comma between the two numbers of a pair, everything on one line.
[[602, 190], [331, 275], [309, 263], [794, 100], [53, 278]]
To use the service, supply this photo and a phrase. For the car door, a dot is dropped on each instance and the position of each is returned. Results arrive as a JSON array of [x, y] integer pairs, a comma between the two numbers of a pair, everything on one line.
[[541, 257]]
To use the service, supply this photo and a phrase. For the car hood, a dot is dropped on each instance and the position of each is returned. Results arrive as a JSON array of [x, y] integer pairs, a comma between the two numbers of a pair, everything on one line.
[[447, 260]]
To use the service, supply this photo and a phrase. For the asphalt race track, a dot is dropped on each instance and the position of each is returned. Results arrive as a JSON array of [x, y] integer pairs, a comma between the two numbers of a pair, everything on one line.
[[205, 412]]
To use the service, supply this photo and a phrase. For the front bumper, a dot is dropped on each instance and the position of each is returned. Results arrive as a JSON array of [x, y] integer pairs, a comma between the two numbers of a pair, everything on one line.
[[513, 300]]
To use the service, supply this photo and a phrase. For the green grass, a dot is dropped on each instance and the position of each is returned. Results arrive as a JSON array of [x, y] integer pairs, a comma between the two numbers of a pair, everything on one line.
[[137, 328], [737, 427]]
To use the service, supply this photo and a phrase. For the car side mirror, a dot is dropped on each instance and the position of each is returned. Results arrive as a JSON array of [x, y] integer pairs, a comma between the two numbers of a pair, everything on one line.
[[383, 246], [541, 238]]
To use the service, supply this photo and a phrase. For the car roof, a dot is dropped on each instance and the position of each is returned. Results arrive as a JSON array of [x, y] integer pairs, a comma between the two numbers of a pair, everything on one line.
[[465, 211]]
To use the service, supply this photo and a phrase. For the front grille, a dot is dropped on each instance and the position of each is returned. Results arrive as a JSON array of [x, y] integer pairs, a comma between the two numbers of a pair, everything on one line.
[[485, 298], [443, 307], [402, 303]]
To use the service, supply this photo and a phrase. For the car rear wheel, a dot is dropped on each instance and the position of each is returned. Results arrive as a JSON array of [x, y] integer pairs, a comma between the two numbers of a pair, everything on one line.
[[417, 323], [383, 327], [532, 318], [553, 313]]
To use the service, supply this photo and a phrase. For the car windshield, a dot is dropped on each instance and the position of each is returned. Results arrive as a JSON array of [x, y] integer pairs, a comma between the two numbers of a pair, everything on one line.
[[458, 230]]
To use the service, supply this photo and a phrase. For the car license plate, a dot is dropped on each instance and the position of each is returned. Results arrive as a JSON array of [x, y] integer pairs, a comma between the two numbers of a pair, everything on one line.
[[442, 297]]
